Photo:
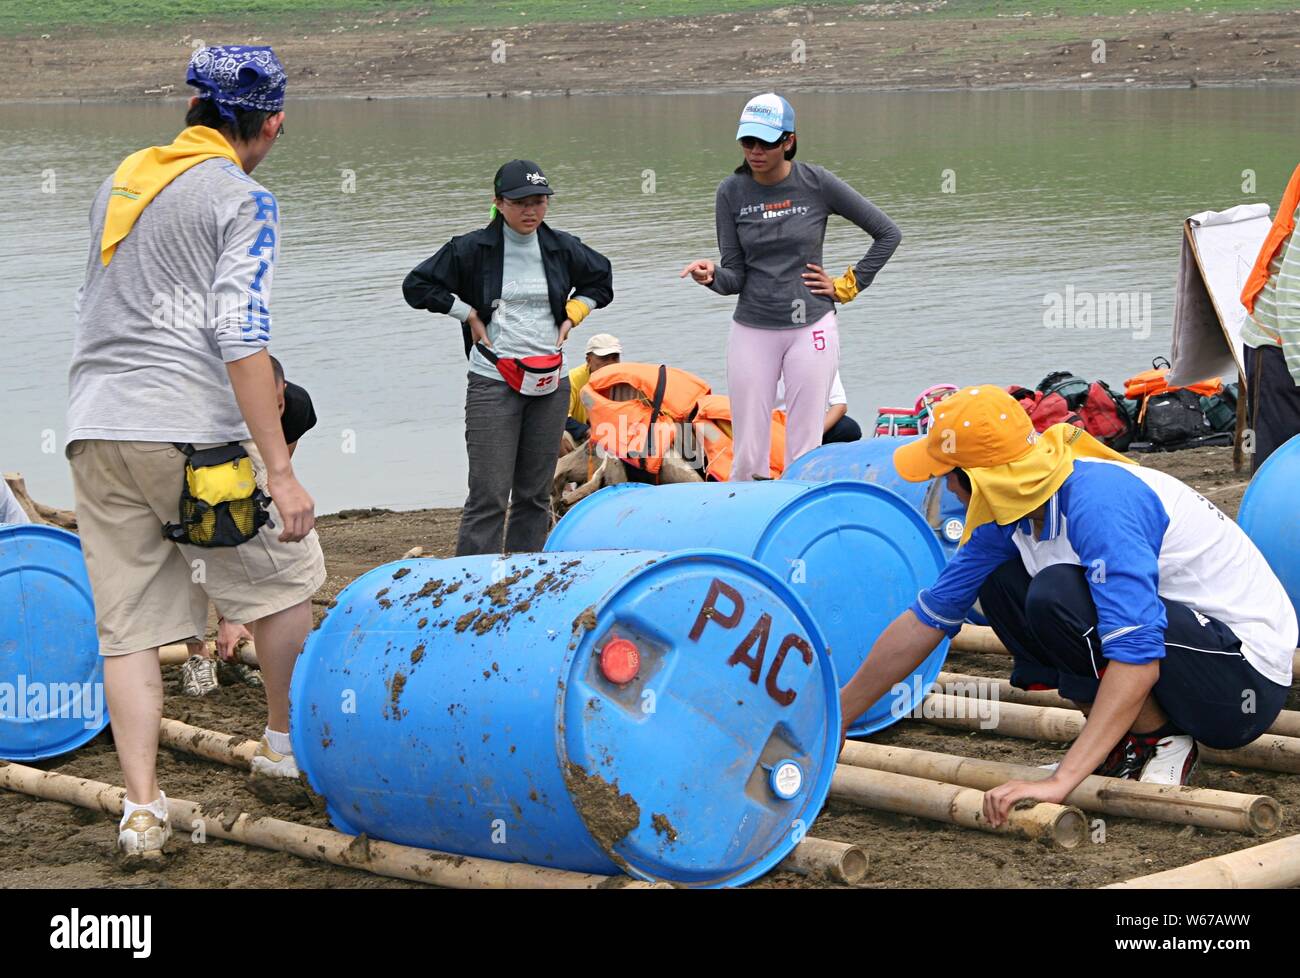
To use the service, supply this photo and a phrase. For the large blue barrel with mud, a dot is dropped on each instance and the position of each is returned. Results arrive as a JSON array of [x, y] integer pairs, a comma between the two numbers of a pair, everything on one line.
[[671, 716], [51, 674], [857, 554], [871, 460], [1270, 515]]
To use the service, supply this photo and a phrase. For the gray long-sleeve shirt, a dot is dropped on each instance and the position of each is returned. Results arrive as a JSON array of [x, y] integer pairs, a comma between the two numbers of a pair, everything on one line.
[[767, 235], [187, 291]]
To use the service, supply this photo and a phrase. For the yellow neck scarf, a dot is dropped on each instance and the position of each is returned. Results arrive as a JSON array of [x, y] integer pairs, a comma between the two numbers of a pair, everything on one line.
[[1006, 493], [142, 175]]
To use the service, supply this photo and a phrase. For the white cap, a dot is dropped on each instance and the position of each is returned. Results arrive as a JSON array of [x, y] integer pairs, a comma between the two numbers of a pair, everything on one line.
[[603, 344]]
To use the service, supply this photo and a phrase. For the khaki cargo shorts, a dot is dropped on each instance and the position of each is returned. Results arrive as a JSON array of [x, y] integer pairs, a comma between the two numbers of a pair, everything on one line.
[[126, 491]]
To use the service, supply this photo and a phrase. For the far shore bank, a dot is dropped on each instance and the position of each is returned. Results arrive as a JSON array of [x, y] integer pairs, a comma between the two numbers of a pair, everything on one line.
[[794, 49]]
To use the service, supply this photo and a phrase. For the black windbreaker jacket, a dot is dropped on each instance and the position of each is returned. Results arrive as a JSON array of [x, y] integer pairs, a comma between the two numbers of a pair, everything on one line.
[[469, 267]]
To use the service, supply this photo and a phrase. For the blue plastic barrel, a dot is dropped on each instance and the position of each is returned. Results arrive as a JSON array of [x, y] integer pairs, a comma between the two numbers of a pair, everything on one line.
[[673, 716], [857, 554], [1271, 517], [871, 460], [51, 676]]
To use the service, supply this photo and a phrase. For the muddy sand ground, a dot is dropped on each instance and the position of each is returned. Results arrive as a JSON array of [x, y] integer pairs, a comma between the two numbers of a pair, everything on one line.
[[874, 46], [50, 844]]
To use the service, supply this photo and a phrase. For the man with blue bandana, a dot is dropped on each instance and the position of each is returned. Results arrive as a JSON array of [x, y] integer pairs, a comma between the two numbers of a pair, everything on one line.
[[170, 351]]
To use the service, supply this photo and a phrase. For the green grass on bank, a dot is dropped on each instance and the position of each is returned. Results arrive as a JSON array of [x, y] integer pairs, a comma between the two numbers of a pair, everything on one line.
[[34, 17]]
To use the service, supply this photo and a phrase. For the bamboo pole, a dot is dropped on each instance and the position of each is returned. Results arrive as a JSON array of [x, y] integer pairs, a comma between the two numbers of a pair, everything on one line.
[[1287, 723], [837, 861], [178, 652], [1271, 866], [843, 863], [307, 842], [1207, 807], [1269, 753], [980, 638], [1061, 825]]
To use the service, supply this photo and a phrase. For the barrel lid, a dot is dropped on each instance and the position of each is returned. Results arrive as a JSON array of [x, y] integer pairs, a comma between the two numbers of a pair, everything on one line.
[[858, 555], [673, 770], [51, 675]]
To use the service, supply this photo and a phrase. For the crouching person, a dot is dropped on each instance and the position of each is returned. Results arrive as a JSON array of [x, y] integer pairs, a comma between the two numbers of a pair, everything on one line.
[[1119, 586], [168, 409]]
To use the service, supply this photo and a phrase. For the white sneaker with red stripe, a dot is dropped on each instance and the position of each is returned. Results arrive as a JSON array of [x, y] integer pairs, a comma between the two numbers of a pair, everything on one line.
[[1172, 762]]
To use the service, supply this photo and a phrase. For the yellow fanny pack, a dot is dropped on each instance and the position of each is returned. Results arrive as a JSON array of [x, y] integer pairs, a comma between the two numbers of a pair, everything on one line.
[[221, 505]]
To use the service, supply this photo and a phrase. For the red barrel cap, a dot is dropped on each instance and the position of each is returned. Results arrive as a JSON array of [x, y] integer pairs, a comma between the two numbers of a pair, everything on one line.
[[620, 660]]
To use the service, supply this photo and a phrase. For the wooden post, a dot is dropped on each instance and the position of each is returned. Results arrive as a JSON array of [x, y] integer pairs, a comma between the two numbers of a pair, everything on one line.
[[1060, 825], [1206, 807], [1287, 723], [1269, 753], [307, 842], [1271, 866], [837, 861], [38, 512]]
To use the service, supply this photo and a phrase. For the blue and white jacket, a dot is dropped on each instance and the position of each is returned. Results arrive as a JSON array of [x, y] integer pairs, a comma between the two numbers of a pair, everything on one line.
[[1140, 535]]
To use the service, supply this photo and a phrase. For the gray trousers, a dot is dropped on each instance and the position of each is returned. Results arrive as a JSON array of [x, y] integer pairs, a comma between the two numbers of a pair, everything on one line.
[[513, 442]]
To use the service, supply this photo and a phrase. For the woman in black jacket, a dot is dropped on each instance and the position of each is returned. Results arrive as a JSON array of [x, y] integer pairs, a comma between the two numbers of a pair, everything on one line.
[[518, 286]]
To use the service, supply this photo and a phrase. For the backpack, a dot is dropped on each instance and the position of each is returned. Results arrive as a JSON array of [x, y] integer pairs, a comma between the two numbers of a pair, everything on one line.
[[1174, 416], [1061, 397], [1221, 408]]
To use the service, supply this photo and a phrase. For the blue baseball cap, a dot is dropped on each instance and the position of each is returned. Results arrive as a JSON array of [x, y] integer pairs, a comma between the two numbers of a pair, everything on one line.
[[766, 116]]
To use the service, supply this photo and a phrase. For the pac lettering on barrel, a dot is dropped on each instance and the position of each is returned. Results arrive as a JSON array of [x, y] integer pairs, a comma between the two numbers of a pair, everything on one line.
[[752, 650]]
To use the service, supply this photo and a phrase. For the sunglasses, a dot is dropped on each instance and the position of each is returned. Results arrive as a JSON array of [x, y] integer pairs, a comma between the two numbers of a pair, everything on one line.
[[749, 142]]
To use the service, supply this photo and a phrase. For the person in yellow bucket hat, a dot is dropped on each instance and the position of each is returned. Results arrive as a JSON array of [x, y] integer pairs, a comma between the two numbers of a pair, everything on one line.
[[1117, 585]]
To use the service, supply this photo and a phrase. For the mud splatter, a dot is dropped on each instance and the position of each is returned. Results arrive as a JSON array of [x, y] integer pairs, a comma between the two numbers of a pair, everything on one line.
[[498, 591], [422, 622], [586, 620], [395, 688], [608, 813], [486, 623], [400, 573], [663, 827], [417, 654], [385, 603], [465, 620]]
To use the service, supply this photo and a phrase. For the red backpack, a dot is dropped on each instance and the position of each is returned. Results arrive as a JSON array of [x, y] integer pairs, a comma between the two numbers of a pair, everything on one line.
[[1062, 397]]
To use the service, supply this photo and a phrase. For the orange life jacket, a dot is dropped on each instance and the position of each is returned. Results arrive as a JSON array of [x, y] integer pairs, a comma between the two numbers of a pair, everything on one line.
[[712, 425], [1150, 382], [631, 429], [1283, 225]]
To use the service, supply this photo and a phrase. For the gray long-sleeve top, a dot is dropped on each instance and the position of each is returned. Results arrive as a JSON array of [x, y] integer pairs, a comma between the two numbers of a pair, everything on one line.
[[187, 291], [767, 236]]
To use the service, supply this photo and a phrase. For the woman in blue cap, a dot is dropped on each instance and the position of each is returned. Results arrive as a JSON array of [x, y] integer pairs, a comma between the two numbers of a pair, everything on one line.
[[771, 221], [517, 287]]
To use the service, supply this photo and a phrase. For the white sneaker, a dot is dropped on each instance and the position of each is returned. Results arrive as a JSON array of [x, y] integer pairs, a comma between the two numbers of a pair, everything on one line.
[[1173, 762], [267, 762], [143, 835], [199, 676]]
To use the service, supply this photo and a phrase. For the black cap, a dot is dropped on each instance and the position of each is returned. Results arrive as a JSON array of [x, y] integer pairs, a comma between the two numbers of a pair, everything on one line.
[[520, 178]]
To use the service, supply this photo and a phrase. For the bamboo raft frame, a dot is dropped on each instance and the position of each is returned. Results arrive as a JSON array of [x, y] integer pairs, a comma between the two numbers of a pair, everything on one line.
[[1205, 807], [1287, 723], [1269, 753], [840, 862], [981, 639]]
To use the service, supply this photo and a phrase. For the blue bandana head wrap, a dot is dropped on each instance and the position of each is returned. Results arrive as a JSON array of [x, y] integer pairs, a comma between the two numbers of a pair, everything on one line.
[[238, 76]]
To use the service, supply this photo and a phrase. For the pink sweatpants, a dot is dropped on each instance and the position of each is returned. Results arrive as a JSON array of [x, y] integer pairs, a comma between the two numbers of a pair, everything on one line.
[[756, 358]]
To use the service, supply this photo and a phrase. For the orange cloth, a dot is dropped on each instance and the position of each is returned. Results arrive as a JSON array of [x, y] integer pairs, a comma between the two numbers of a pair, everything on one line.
[[1283, 225]]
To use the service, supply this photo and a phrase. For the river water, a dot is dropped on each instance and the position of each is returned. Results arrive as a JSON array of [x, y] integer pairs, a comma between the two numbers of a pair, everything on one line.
[[1005, 199]]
